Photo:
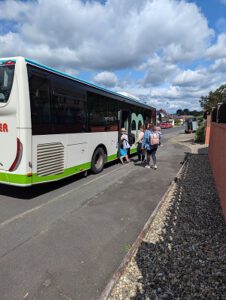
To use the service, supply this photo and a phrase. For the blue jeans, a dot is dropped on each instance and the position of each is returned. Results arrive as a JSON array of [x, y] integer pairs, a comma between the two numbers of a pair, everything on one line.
[[151, 153]]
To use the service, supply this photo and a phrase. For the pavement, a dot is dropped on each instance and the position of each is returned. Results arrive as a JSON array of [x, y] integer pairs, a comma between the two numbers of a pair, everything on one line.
[[180, 253]]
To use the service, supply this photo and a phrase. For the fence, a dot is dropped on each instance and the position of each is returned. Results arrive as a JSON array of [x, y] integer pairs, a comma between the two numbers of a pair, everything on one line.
[[217, 155]]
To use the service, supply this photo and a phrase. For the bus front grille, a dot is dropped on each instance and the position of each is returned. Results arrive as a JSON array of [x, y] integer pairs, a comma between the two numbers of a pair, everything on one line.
[[50, 159]]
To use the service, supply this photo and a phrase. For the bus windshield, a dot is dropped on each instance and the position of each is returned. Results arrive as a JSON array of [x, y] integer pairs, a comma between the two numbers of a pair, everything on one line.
[[6, 81]]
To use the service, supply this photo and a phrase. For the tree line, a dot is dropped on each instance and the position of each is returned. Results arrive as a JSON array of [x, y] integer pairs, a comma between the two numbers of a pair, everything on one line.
[[187, 112]]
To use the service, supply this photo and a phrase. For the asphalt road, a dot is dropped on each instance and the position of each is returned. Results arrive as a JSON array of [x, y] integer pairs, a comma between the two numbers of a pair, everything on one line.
[[65, 240]]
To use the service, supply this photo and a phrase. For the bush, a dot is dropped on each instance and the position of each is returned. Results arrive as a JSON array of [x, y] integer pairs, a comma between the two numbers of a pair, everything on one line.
[[200, 134], [177, 122], [200, 120]]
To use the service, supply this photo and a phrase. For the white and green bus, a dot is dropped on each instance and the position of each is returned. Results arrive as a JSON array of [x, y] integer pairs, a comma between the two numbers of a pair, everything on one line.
[[54, 125]]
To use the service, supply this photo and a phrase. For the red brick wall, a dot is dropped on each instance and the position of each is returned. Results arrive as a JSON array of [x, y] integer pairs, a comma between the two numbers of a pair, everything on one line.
[[217, 158], [207, 130]]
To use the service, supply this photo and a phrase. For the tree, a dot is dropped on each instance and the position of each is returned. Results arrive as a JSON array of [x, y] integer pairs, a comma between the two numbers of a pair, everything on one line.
[[186, 111], [219, 95], [179, 112], [195, 113]]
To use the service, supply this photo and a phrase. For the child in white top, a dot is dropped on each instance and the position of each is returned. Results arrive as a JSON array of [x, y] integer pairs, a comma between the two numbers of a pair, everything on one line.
[[124, 146]]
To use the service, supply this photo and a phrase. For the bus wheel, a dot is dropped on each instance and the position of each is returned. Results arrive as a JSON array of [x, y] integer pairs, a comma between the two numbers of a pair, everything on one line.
[[98, 160]]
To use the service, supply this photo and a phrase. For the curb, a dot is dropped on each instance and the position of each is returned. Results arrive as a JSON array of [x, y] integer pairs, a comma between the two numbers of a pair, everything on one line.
[[110, 285]]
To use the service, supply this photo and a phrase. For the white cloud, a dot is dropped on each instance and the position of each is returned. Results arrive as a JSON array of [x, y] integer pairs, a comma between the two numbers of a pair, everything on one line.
[[151, 36], [190, 78], [219, 66], [218, 49], [164, 97], [112, 36], [105, 78], [15, 10], [158, 71]]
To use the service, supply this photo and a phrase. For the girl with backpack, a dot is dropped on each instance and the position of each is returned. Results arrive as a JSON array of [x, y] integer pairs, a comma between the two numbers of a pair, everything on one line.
[[125, 146], [151, 142]]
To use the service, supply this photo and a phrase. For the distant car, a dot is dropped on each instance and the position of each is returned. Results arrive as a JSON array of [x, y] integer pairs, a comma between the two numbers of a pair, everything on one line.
[[166, 125], [191, 125]]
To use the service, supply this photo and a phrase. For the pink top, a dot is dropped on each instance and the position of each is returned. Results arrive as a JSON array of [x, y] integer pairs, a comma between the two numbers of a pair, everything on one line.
[[140, 136]]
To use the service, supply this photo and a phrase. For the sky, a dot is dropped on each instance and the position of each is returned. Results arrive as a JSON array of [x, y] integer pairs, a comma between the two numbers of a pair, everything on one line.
[[168, 53]]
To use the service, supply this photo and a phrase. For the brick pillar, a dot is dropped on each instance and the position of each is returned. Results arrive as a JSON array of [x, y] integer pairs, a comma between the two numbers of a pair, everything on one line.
[[207, 129]]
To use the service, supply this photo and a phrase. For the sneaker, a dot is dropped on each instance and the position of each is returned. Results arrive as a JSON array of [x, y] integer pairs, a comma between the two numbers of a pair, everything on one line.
[[155, 167], [148, 167]]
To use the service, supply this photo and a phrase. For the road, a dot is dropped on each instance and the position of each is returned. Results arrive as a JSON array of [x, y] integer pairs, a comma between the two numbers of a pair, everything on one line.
[[65, 240]]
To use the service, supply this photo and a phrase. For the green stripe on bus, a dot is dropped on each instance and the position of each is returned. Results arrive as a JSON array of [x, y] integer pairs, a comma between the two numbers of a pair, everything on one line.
[[26, 180], [112, 157], [133, 150], [15, 178]]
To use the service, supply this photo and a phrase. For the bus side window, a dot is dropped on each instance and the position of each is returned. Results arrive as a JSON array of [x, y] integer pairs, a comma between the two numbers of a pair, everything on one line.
[[68, 107], [97, 112], [102, 113], [40, 105], [112, 115]]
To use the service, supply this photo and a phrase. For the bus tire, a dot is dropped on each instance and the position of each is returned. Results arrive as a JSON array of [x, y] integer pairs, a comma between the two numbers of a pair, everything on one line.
[[98, 160]]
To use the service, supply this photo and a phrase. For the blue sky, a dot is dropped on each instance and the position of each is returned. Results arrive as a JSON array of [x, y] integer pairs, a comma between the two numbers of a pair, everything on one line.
[[168, 53], [214, 10]]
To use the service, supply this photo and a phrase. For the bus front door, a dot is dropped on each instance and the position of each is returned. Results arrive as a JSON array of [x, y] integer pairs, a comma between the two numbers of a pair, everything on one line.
[[125, 121]]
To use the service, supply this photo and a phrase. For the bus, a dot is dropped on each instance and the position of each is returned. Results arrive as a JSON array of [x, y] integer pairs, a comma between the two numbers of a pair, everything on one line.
[[54, 125]]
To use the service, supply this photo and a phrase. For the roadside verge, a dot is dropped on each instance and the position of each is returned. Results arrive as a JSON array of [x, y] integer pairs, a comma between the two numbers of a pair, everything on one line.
[[116, 276]]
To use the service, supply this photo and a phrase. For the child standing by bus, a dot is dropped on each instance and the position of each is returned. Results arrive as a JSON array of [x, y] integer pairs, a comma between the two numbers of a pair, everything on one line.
[[125, 146]]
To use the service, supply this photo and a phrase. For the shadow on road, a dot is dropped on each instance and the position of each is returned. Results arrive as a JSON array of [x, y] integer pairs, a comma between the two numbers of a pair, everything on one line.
[[27, 193], [30, 192]]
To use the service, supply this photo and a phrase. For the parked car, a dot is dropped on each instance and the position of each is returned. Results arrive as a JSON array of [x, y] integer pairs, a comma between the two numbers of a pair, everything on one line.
[[166, 125], [191, 125]]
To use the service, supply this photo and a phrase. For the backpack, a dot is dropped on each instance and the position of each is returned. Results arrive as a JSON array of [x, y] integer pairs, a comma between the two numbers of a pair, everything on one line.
[[131, 139], [125, 144], [154, 139]]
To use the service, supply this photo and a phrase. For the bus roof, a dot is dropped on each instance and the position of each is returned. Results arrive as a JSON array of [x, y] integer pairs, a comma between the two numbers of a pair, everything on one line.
[[32, 62]]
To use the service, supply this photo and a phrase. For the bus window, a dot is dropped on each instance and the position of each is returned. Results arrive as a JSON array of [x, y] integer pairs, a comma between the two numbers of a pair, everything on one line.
[[40, 105], [112, 121], [69, 110], [97, 112], [6, 82]]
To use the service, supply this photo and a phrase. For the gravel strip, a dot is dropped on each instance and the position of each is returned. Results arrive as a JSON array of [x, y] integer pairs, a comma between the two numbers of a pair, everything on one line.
[[183, 254]]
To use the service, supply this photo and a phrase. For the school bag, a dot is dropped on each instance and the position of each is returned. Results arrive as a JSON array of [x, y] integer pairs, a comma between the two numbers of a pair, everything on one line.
[[125, 144], [154, 139], [131, 138]]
